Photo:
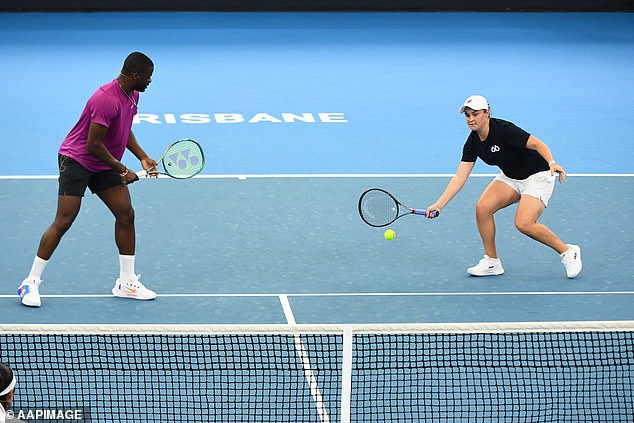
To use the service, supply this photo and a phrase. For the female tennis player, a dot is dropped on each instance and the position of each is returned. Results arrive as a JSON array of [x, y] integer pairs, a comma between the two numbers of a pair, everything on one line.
[[527, 176], [90, 157]]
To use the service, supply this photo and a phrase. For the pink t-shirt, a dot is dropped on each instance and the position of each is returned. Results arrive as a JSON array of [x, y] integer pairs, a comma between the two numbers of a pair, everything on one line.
[[110, 107]]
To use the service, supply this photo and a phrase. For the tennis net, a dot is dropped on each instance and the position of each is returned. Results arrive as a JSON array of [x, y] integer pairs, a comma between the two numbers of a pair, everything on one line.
[[537, 372]]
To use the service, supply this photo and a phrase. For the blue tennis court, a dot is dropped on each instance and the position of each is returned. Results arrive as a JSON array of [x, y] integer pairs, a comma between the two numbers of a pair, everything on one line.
[[314, 108], [298, 114]]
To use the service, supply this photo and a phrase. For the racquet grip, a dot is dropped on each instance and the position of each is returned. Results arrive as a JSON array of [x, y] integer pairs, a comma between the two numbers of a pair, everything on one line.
[[143, 173], [424, 212]]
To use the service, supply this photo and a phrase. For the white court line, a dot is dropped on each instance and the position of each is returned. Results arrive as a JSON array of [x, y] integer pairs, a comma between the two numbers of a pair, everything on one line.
[[333, 175], [288, 311], [306, 364], [350, 294]]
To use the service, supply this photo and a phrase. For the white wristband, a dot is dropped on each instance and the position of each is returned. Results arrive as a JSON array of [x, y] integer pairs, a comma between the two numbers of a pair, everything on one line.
[[551, 163]]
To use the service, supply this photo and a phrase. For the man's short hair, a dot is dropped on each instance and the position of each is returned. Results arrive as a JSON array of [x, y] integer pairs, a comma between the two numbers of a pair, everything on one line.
[[137, 62]]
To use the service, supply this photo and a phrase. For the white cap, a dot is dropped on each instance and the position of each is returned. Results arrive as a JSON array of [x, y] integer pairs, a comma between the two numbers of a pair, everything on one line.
[[475, 102]]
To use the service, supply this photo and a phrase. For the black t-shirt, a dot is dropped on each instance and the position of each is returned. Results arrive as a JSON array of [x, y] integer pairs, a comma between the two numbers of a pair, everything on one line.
[[505, 147]]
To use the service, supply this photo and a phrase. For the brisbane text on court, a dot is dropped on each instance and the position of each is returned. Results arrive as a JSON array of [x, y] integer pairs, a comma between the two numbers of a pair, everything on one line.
[[233, 118]]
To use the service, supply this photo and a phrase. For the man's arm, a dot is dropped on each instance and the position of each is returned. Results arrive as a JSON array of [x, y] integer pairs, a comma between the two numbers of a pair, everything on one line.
[[136, 149], [96, 147]]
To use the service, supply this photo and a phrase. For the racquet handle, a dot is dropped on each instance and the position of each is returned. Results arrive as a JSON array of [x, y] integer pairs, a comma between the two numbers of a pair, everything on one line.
[[143, 173], [424, 212]]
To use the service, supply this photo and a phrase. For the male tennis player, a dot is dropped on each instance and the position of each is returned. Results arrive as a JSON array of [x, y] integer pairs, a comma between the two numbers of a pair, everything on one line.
[[528, 177], [90, 156]]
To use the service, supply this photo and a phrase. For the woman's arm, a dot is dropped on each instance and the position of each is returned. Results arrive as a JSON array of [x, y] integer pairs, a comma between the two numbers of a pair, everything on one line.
[[453, 187], [536, 144]]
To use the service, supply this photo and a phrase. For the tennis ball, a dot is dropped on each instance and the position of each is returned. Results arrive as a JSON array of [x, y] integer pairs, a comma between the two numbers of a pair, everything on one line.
[[389, 234]]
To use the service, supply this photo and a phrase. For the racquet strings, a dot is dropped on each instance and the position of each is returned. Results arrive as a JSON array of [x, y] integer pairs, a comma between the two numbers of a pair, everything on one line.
[[378, 208], [183, 159]]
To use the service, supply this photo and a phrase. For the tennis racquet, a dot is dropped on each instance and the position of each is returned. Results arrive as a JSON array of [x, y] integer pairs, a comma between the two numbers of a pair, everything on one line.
[[181, 160], [378, 208]]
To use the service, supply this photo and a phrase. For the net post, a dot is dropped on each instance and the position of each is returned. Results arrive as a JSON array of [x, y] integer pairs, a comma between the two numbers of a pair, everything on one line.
[[346, 374]]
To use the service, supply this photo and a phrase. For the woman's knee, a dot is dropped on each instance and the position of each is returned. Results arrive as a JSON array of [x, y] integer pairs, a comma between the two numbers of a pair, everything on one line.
[[525, 226], [484, 208]]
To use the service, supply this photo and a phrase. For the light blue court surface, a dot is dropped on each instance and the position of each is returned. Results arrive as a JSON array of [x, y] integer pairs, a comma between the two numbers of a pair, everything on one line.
[[314, 108]]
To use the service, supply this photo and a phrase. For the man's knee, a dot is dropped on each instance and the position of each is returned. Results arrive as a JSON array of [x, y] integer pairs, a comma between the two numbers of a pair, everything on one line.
[[63, 223], [126, 216]]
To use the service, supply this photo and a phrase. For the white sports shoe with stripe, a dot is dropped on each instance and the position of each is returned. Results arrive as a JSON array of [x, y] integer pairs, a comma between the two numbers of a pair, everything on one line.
[[132, 288], [29, 292], [487, 267]]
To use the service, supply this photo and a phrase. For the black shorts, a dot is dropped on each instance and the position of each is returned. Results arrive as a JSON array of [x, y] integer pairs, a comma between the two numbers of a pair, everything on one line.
[[74, 178]]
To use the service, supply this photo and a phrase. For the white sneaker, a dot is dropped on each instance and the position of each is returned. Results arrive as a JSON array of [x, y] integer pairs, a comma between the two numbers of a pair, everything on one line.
[[571, 258], [487, 267], [29, 292], [132, 289]]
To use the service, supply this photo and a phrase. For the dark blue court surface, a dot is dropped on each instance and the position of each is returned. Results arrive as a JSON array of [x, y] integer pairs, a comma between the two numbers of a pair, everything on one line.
[[346, 101]]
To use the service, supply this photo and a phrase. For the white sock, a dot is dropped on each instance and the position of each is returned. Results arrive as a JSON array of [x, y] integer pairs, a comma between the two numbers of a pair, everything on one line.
[[126, 267], [38, 268]]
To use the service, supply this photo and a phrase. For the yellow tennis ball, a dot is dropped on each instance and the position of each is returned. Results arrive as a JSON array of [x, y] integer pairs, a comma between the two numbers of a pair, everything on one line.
[[389, 234]]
